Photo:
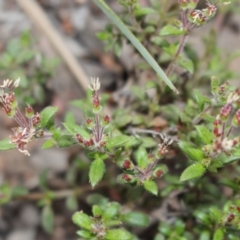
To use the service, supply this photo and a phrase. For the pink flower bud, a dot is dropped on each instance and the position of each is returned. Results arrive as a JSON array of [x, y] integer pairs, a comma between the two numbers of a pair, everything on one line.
[[127, 177], [79, 138], [225, 111], [230, 217], [236, 118]]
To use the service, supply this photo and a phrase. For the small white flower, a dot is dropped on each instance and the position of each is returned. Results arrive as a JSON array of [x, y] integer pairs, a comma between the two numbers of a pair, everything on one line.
[[95, 84], [24, 151], [16, 83], [226, 3], [166, 140], [227, 144], [6, 83], [232, 97]]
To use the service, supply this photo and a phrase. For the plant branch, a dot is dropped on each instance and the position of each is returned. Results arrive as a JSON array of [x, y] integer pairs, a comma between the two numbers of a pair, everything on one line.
[[182, 43], [61, 193]]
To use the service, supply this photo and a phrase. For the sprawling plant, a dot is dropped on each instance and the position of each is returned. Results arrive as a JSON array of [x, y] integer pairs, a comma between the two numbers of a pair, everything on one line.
[[196, 146]]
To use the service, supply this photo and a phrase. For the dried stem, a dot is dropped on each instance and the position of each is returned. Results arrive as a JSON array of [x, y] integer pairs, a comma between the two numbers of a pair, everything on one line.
[[61, 193]]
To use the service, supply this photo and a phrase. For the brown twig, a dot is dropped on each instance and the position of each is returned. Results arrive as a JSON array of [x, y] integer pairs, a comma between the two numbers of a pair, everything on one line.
[[61, 193]]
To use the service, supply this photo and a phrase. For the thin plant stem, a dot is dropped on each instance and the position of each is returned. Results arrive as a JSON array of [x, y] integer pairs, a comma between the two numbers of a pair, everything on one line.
[[61, 193], [182, 43]]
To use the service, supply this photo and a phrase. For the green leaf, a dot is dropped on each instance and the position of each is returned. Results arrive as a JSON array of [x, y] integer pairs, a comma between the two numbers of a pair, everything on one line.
[[96, 172], [141, 157], [117, 141], [85, 234], [186, 64], [192, 153], [171, 30], [139, 92], [104, 35], [48, 144], [96, 210], [74, 129], [136, 43], [215, 214], [47, 218], [66, 141], [193, 171], [111, 211], [138, 12], [82, 220], [205, 235], [150, 84], [69, 117], [148, 142], [151, 187], [201, 99], [46, 115], [122, 120], [170, 49], [118, 234], [5, 144], [19, 191], [235, 156], [136, 219], [98, 199], [72, 203], [205, 135], [218, 234], [6, 193]]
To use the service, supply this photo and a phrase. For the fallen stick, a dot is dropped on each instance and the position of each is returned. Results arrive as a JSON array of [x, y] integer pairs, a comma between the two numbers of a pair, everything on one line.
[[39, 18]]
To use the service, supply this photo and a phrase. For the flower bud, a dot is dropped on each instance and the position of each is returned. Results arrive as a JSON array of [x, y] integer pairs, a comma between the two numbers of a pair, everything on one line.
[[210, 11], [29, 111], [36, 119], [89, 123], [230, 217], [187, 4], [183, 4], [159, 171], [106, 119], [9, 111], [127, 177], [225, 111], [127, 165], [236, 119], [79, 138], [217, 131]]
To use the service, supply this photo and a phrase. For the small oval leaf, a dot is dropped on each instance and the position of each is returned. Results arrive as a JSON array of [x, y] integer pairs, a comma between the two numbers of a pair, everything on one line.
[[171, 30], [47, 219], [117, 141], [6, 144], [193, 171], [205, 135], [151, 186], [219, 234], [136, 219], [46, 115], [82, 220], [97, 170], [119, 234]]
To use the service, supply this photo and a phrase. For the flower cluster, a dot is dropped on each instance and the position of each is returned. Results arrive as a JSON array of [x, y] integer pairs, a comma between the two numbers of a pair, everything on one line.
[[231, 217], [28, 128], [192, 17], [97, 125], [223, 142], [147, 167]]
